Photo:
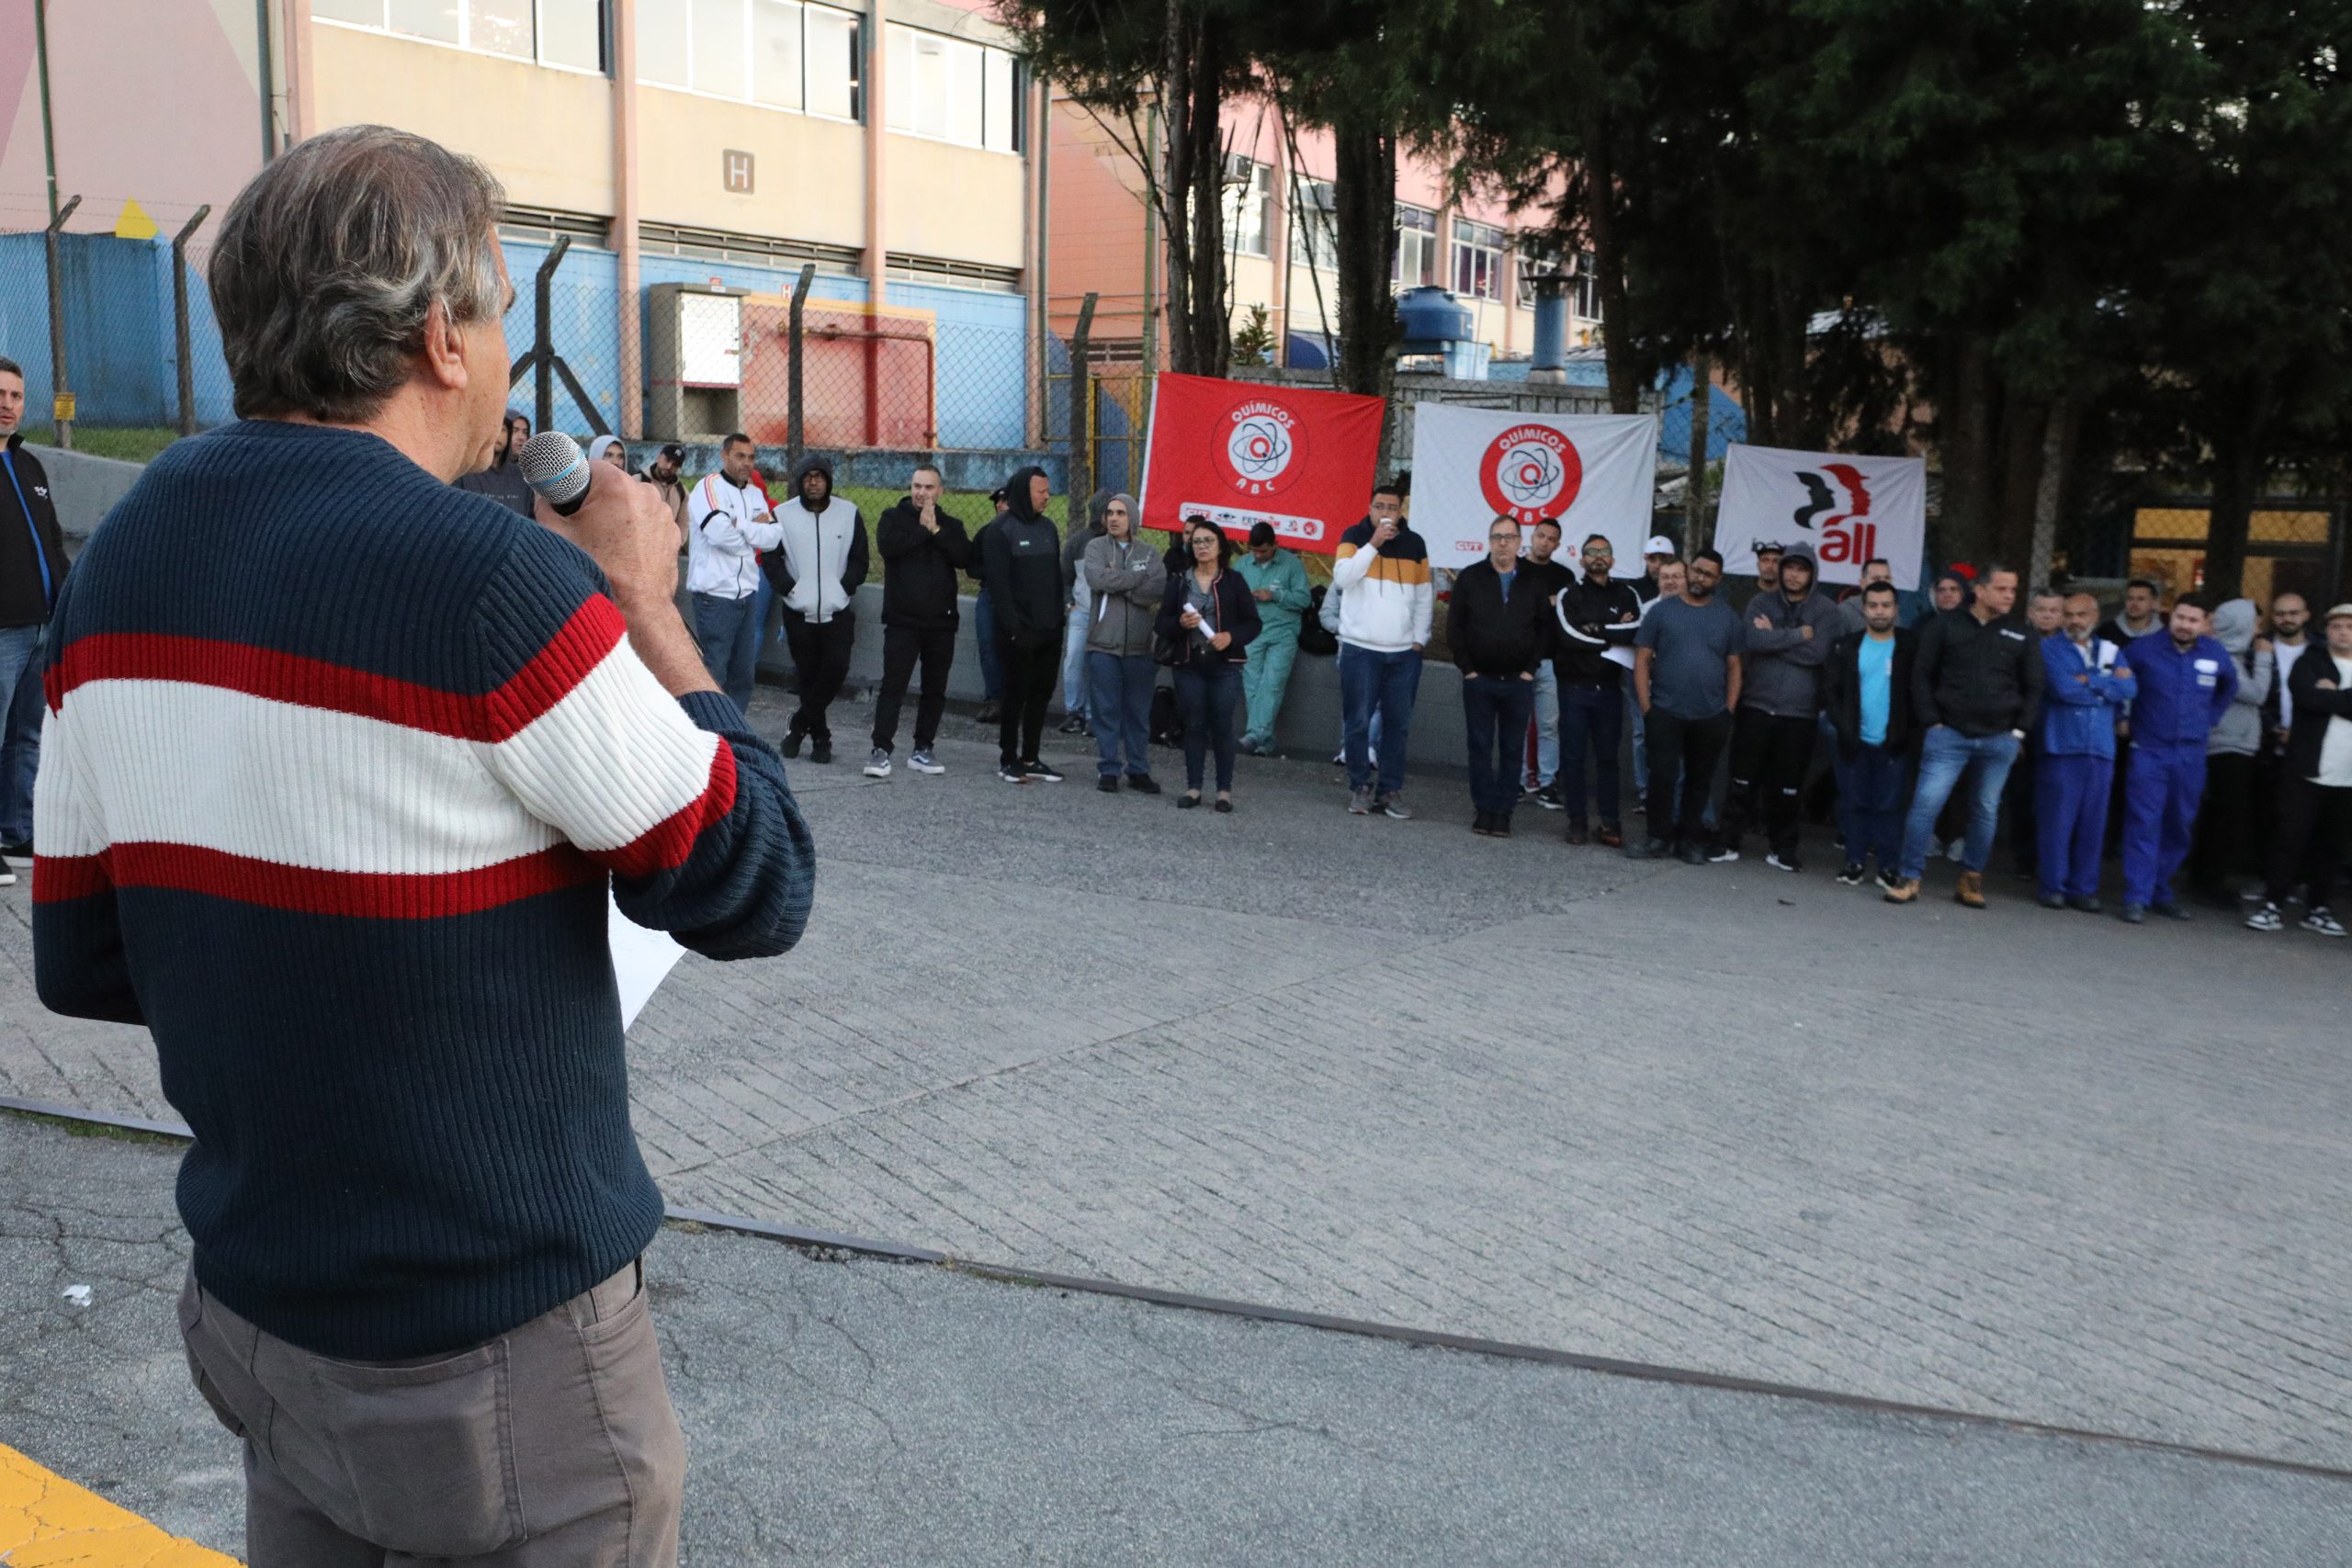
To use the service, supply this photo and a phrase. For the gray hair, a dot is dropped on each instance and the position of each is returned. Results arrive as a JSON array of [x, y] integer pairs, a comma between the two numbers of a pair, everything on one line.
[[330, 262]]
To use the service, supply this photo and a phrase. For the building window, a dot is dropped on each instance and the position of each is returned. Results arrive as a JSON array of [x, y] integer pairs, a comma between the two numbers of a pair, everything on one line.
[[952, 91], [780, 53], [1416, 264], [1477, 260], [1249, 205], [1314, 226], [1584, 295], [569, 33]]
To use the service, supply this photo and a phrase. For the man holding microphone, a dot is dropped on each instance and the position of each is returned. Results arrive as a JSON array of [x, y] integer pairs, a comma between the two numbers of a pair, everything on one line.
[[345, 761]]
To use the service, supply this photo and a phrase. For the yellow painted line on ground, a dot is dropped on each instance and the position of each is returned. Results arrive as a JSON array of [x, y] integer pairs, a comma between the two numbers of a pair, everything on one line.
[[46, 1521]]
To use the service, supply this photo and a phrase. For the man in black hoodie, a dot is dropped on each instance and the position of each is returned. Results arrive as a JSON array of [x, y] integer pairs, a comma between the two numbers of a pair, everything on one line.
[[1021, 563], [922, 549], [1499, 627], [32, 569], [816, 571]]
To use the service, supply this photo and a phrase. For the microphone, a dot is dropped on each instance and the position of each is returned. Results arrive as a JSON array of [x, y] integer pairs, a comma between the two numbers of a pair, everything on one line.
[[554, 466]]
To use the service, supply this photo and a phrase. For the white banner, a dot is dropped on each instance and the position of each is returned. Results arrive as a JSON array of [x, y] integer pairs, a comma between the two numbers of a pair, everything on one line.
[[1594, 472], [1850, 509]]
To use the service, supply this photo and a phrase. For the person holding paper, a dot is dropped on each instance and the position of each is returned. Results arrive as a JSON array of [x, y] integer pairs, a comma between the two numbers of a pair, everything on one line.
[[1207, 621], [1596, 616]]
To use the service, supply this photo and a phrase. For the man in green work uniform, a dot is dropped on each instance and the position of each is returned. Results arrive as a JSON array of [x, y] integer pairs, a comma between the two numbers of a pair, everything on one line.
[[1279, 585]]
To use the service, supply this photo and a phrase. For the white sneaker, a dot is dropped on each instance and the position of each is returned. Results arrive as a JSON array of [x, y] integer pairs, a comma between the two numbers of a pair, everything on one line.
[[2265, 918], [877, 764], [7, 877], [925, 763], [2321, 921]]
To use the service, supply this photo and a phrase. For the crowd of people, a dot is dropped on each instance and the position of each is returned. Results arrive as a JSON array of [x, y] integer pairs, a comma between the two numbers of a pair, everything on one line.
[[2183, 740]]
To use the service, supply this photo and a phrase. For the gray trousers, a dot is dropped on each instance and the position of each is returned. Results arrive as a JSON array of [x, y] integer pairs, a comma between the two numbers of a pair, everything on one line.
[[554, 1443]]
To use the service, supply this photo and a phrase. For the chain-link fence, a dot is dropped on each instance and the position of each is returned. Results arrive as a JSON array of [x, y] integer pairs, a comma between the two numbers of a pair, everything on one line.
[[2293, 545], [114, 333]]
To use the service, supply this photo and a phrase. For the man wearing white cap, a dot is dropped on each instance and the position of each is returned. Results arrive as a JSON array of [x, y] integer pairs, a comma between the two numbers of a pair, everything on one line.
[[1655, 553], [2315, 787]]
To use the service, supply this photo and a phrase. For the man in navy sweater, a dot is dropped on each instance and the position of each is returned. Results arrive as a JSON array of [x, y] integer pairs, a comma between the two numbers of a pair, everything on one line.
[[344, 760]]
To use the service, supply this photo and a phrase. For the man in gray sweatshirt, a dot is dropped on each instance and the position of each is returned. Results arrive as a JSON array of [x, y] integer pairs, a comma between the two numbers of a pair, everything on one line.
[[1789, 632]]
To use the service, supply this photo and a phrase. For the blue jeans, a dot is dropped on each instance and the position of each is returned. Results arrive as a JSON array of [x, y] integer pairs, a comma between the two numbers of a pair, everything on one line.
[[1204, 695], [991, 663], [1944, 757], [1547, 724], [728, 633], [20, 688], [1635, 727], [1121, 685], [1869, 804], [1075, 701], [1592, 720], [1373, 683], [1495, 711]]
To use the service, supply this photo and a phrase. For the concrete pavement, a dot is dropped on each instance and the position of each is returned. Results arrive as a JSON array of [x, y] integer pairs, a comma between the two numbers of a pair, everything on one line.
[[2027, 1163]]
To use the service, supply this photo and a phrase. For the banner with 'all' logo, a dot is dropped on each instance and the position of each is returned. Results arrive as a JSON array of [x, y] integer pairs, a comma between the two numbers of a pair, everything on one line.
[[1240, 453], [1852, 510], [1593, 472]]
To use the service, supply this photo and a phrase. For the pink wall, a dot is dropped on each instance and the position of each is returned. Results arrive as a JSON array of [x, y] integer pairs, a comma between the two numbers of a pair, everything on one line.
[[154, 102]]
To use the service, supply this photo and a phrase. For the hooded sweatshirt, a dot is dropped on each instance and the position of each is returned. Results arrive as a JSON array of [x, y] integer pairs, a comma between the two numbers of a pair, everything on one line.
[[1124, 579], [1021, 564], [1386, 596], [2240, 730], [502, 480], [1781, 670], [821, 561]]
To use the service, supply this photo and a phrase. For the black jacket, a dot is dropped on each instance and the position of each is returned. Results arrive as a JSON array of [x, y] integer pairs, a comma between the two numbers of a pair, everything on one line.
[[1020, 562], [1584, 609], [1236, 613], [1841, 693], [918, 567], [1980, 678], [2313, 708], [502, 482], [30, 540], [1493, 636]]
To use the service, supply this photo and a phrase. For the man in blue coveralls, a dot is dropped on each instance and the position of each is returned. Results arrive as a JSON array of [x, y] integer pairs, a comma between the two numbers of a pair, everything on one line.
[[2185, 681], [2084, 686]]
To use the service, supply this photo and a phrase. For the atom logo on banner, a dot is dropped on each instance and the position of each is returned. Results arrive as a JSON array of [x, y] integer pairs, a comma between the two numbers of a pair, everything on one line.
[[1530, 472], [1263, 450]]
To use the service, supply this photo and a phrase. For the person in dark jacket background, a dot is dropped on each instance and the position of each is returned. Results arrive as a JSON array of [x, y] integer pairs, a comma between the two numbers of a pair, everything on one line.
[[817, 570], [922, 548], [1500, 627], [984, 617], [1209, 616], [1021, 563], [1975, 690], [502, 480], [1596, 616], [1786, 638], [32, 569], [2187, 680], [1867, 688], [2316, 784]]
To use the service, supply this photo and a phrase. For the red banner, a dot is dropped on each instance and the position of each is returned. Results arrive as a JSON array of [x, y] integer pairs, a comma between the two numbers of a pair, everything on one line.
[[1242, 452]]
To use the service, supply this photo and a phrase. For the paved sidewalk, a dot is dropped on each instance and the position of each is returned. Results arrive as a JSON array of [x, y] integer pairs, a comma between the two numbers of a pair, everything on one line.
[[2014, 1162], [870, 1413]]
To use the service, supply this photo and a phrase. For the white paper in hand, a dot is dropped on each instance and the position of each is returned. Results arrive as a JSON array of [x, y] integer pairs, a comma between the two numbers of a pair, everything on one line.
[[641, 960]]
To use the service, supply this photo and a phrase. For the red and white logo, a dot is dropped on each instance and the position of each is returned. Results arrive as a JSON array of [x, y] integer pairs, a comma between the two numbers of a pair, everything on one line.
[[1531, 472], [1264, 448], [1838, 513]]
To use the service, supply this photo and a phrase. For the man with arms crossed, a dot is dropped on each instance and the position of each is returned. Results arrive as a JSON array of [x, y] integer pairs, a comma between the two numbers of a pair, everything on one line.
[[1686, 680], [345, 761], [922, 549]]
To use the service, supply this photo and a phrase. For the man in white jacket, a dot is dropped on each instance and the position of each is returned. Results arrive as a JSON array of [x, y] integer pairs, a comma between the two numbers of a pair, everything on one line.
[[1382, 571], [817, 573], [727, 525]]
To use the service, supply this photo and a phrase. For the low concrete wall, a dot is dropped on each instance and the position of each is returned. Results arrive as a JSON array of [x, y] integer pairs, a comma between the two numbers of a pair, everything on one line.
[[1308, 725], [84, 488]]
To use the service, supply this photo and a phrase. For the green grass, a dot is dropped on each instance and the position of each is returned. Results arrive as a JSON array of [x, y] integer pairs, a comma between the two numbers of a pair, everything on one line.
[[74, 1128], [132, 444]]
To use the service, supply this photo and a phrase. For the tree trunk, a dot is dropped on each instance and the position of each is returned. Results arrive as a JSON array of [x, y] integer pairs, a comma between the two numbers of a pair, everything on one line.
[[1363, 189], [1694, 507], [1191, 93], [1964, 434], [2238, 473], [2025, 428], [1609, 257], [2049, 492]]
